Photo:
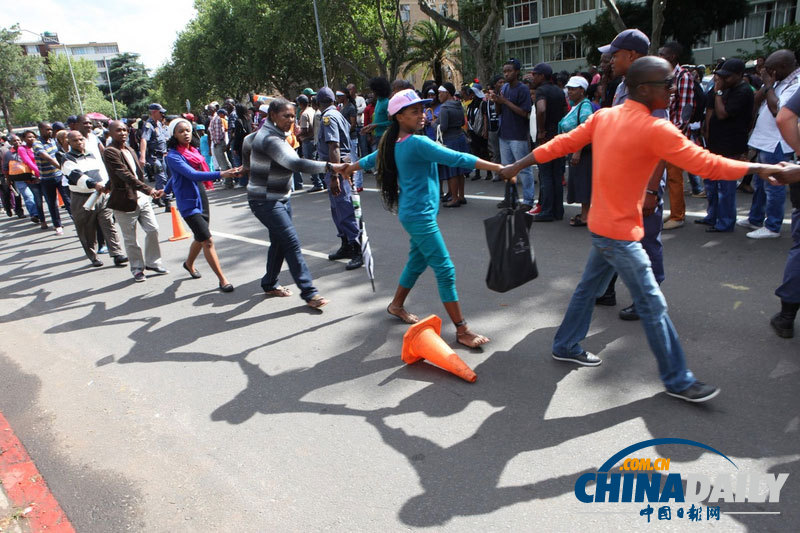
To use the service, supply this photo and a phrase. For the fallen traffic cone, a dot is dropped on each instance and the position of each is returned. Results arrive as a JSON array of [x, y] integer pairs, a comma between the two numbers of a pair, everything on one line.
[[178, 231], [60, 200], [422, 341]]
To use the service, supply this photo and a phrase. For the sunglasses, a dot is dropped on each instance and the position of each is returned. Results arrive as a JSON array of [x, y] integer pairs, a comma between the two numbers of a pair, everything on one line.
[[666, 82]]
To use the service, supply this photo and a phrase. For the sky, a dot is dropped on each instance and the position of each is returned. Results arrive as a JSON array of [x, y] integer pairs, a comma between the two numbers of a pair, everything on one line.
[[128, 22]]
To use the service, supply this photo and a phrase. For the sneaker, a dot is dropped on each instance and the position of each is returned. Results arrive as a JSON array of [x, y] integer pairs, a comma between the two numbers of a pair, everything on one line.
[[97, 263], [536, 209], [764, 233], [697, 393], [745, 223], [59, 231], [139, 276], [359, 189], [783, 326], [584, 359], [673, 224], [103, 250]]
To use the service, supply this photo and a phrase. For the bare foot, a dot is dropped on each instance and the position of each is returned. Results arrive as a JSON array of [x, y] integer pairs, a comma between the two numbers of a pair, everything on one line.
[[469, 339], [402, 314]]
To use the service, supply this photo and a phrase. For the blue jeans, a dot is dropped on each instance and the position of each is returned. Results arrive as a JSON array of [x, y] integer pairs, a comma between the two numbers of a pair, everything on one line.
[[630, 261], [159, 172], [237, 161], [344, 218], [29, 200], [721, 198], [307, 150], [767, 198], [366, 147], [284, 244], [45, 192], [512, 151], [551, 175], [789, 291], [358, 175]]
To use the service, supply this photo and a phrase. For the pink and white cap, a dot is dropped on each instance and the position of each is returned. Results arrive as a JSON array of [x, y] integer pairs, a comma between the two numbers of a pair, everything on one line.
[[405, 98]]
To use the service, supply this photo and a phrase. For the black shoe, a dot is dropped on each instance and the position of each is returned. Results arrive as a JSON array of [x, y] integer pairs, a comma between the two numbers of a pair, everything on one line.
[[342, 253], [193, 273], [712, 229], [697, 393], [463, 201], [543, 218], [120, 260], [355, 262], [629, 313], [505, 204], [584, 359], [35, 220], [97, 263], [476, 177], [783, 326], [447, 197], [20, 215], [525, 207], [157, 270], [703, 222], [226, 288], [609, 300]]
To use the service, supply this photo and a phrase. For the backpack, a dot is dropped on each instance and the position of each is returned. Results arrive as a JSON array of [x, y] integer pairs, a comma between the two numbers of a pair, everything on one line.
[[476, 120], [699, 111]]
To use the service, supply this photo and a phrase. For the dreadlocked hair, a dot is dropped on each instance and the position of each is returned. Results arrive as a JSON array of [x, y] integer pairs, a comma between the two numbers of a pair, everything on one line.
[[387, 166]]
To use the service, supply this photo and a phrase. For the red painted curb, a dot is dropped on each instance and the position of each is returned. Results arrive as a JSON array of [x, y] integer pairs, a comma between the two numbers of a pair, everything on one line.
[[25, 486]]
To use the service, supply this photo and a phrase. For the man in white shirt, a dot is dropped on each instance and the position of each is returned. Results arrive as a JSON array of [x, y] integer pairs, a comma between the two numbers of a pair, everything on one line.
[[780, 83]]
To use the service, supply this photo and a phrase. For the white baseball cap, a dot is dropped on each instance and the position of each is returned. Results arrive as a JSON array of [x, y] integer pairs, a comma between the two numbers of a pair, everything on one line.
[[578, 81]]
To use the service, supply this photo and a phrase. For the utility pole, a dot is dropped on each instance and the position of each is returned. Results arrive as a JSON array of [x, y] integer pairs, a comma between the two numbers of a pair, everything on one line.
[[319, 38]]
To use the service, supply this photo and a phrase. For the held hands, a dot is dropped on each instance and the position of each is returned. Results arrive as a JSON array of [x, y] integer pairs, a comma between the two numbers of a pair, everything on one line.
[[231, 173], [509, 173], [780, 174], [157, 194]]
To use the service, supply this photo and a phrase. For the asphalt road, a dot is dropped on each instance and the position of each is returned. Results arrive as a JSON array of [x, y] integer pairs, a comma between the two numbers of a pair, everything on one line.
[[169, 406]]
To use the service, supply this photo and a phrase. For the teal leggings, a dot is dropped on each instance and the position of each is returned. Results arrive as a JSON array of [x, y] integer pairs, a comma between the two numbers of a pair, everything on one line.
[[428, 249]]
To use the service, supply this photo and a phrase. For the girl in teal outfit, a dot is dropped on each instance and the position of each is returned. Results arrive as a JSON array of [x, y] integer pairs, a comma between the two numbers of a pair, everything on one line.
[[409, 179]]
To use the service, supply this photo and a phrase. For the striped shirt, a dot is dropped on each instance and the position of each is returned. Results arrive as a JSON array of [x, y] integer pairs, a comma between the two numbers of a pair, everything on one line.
[[49, 147], [216, 130], [681, 105]]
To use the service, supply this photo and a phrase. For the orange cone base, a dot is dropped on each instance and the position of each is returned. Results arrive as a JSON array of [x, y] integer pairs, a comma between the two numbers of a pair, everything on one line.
[[60, 199], [422, 341], [178, 231]]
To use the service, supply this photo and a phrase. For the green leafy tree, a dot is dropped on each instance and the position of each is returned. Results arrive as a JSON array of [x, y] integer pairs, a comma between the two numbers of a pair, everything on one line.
[[432, 47], [785, 37], [686, 21], [63, 101], [18, 86], [130, 82]]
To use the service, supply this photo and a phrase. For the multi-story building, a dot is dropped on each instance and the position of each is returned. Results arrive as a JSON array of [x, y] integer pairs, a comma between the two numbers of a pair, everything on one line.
[[549, 30], [98, 53]]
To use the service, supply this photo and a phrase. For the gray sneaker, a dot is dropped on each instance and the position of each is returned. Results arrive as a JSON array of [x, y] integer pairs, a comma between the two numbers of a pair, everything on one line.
[[697, 393], [584, 359], [139, 276]]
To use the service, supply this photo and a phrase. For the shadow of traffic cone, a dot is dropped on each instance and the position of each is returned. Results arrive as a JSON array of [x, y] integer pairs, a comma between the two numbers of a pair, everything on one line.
[[422, 341], [60, 200], [178, 231]]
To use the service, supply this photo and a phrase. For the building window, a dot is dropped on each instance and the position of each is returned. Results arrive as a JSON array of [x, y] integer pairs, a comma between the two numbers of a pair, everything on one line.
[[555, 8], [80, 50], [106, 49], [522, 13], [405, 13], [762, 18], [562, 47], [527, 52], [32, 50]]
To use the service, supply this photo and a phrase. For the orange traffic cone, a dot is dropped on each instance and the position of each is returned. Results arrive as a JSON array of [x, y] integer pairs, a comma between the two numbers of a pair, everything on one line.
[[422, 341], [60, 200], [178, 231]]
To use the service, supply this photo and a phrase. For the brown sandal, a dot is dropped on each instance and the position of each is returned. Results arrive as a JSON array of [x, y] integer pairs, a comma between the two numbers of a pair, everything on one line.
[[280, 292], [405, 316], [316, 302], [477, 339]]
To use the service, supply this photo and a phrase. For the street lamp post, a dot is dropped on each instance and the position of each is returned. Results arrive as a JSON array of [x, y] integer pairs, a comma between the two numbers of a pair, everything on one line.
[[69, 61], [110, 90]]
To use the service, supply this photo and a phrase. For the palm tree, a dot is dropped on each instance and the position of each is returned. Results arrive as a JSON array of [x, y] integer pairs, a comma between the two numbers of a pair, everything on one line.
[[432, 47]]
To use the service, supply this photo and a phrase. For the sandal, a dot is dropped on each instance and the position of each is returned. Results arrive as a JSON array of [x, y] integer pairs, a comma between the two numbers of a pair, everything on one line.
[[279, 291], [576, 221], [476, 342], [316, 302], [403, 315], [194, 273]]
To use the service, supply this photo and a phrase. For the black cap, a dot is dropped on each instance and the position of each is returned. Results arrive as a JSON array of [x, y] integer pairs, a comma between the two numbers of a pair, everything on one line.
[[72, 119], [731, 66], [156, 107], [543, 68]]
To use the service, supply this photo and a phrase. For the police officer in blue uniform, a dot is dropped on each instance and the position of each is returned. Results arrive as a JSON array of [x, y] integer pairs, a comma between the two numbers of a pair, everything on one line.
[[153, 148], [333, 145]]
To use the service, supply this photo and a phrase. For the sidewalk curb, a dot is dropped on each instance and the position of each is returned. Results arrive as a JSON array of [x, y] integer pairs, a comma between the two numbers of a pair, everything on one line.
[[25, 487]]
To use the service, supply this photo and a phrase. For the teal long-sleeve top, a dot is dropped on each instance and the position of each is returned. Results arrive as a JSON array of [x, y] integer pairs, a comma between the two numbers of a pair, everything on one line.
[[418, 177], [381, 117]]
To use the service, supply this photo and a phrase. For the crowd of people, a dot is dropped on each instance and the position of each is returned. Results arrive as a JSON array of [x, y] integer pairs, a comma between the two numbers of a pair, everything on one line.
[[618, 138]]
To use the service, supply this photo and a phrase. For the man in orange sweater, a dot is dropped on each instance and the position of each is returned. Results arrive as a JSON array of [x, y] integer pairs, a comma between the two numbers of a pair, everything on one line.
[[630, 143]]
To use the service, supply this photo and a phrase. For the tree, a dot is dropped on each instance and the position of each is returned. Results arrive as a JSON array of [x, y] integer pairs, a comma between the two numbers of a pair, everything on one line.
[[17, 75], [687, 21], [784, 37], [432, 48], [130, 82], [381, 29], [483, 41], [63, 101]]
